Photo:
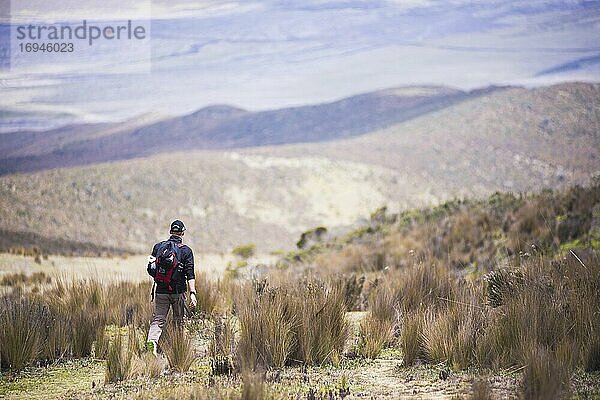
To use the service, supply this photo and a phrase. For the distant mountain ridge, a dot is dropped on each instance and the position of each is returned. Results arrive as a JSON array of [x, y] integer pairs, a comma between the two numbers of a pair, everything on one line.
[[223, 127]]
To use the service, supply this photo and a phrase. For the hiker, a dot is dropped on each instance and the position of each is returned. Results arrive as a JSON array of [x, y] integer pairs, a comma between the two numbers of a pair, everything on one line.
[[172, 267]]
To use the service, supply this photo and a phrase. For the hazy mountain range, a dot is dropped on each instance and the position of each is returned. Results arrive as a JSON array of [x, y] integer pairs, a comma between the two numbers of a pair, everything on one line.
[[222, 127], [237, 176]]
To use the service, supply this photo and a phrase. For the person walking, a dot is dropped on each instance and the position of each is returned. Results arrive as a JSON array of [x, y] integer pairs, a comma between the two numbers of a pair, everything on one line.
[[172, 267]]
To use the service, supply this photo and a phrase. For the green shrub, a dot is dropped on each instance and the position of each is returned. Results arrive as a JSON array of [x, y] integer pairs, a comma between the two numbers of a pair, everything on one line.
[[244, 251]]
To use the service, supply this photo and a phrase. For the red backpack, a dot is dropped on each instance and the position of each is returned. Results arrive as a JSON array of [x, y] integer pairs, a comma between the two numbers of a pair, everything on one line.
[[168, 262]]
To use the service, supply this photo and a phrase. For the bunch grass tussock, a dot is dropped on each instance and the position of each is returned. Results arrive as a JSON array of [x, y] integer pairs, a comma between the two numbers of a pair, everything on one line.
[[67, 320], [178, 347], [302, 322], [378, 327], [119, 361]]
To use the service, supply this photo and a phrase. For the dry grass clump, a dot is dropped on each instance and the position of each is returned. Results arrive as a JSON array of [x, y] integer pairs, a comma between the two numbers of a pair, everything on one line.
[[543, 304], [354, 288], [555, 308], [128, 303], [208, 294], [67, 320], [267, 329], [451, 335], [302, 323], [125, 360], [545, 375], [422, 285], [101, 346], [42, 328], [411, 336], [119, 361], [375, 335], [149, 366], [178, 347], [21, 331], [377, 327], [20, 278], [322, 329]]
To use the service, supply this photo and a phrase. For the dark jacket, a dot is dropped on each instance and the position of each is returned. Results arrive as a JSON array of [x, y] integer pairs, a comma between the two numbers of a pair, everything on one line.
[[187, 262]]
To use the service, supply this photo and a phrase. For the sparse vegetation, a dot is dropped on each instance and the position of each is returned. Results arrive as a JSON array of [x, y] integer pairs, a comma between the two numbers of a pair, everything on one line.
[[528, 311], [481, 390]]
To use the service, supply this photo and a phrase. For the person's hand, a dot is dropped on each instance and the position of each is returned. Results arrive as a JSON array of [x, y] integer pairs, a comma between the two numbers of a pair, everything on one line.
[[193, 301]]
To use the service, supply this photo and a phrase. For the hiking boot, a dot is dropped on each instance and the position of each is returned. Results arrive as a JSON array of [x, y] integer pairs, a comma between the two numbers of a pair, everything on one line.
[[151, 347]]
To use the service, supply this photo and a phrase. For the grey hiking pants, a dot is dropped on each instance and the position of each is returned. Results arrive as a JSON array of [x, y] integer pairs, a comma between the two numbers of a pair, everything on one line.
[[162, 303]]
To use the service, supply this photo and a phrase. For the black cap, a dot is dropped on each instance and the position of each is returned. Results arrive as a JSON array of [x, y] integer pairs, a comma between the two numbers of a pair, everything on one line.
[[177, 226]]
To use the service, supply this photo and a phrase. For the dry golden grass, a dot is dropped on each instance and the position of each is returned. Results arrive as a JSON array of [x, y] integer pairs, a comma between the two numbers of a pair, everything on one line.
[[119, 362], [545, 375], [411, 336], [377, 328], [302, 322], [177, 346]]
